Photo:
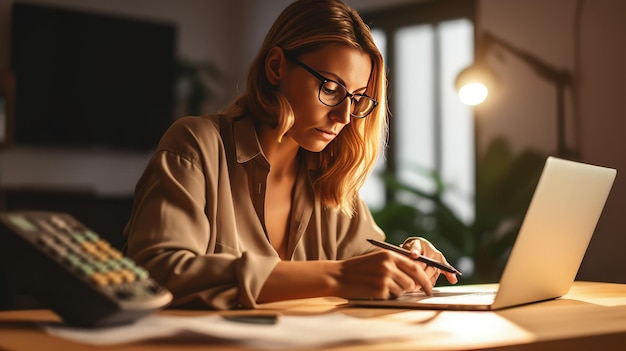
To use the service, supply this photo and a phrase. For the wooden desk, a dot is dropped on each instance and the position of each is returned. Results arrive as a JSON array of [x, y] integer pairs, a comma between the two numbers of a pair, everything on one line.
[[590, 316]]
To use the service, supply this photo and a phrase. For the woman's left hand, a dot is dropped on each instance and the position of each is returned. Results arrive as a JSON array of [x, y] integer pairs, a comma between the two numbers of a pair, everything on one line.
[[422, 247]]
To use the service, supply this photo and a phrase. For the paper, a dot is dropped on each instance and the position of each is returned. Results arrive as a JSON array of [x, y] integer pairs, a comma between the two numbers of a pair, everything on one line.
[[289, 331]]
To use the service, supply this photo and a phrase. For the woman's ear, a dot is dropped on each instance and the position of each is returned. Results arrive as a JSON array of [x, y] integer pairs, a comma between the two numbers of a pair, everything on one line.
[[275, 62]]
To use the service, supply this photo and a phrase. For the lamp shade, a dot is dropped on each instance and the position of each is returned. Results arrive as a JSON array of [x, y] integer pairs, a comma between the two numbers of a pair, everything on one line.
[[474, 83]]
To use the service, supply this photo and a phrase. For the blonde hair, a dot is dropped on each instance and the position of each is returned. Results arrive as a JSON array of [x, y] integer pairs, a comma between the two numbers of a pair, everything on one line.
[[305, 26]]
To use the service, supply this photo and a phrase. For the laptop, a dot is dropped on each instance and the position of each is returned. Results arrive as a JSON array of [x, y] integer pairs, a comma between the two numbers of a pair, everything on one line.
[[549, 248]]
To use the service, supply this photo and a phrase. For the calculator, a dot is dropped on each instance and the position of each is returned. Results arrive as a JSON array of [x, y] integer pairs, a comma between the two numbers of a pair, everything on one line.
[[70, 269]]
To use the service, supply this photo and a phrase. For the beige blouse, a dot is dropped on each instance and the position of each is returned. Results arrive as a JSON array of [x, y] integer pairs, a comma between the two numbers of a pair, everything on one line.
[[197, 223]]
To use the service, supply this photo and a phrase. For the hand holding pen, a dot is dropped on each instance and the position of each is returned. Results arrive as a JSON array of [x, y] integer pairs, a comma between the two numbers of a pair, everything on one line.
[[423, 259]]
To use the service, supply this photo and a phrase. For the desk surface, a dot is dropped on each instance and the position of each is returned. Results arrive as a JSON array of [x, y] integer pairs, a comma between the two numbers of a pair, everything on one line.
[[591, 316]]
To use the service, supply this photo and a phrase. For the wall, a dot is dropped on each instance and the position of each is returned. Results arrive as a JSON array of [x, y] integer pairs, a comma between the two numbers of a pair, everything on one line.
[[201, 25], [524, 109]]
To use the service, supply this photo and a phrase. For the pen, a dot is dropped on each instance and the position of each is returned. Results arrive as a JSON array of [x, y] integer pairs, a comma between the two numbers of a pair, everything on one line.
[[407, 253], [256, 318]]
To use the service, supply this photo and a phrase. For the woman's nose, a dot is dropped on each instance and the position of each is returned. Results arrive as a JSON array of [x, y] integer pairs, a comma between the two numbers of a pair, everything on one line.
[[341, 112]]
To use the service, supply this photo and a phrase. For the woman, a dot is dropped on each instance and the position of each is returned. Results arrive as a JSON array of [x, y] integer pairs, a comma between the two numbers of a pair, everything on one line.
[[260, 203]]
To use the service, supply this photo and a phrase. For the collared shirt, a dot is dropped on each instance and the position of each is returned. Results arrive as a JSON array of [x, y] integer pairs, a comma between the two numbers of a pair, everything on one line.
[[197, 223]]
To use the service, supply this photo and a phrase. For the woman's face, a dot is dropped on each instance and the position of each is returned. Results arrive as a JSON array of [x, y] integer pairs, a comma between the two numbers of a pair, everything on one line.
[[316, 124]]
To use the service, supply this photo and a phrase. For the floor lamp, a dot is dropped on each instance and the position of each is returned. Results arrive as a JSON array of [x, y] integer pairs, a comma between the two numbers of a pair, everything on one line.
[[473, 83]]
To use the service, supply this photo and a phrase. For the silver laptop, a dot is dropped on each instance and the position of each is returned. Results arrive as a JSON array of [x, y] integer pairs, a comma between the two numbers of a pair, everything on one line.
[[549, 248]]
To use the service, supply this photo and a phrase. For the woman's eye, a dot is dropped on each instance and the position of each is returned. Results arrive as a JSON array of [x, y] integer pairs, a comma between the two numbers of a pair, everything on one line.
[[331, 88], [328, 91]]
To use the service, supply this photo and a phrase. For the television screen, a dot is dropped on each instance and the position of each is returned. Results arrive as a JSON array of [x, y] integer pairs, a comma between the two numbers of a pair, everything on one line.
[[87, 80]]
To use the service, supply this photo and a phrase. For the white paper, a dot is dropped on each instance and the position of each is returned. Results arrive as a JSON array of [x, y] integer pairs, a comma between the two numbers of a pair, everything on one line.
[[289, 331]]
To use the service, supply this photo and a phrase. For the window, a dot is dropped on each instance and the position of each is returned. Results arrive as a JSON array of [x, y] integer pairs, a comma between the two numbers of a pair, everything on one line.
[[431, 130]]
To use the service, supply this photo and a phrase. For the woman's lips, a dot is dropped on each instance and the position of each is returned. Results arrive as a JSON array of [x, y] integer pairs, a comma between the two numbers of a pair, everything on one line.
[[326, 134]]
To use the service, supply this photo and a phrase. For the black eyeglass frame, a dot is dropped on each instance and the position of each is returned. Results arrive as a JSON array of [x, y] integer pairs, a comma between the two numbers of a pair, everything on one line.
[[325, 80]]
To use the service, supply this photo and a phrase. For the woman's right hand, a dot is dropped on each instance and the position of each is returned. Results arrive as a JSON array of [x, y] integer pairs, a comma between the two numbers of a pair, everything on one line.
[[381, 274]]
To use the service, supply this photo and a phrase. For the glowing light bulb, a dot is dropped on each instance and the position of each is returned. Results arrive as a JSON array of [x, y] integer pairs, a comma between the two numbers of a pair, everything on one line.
[[473, 94]]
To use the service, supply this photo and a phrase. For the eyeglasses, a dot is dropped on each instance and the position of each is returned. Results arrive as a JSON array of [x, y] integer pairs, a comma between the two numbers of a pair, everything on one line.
[[332, 93]]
